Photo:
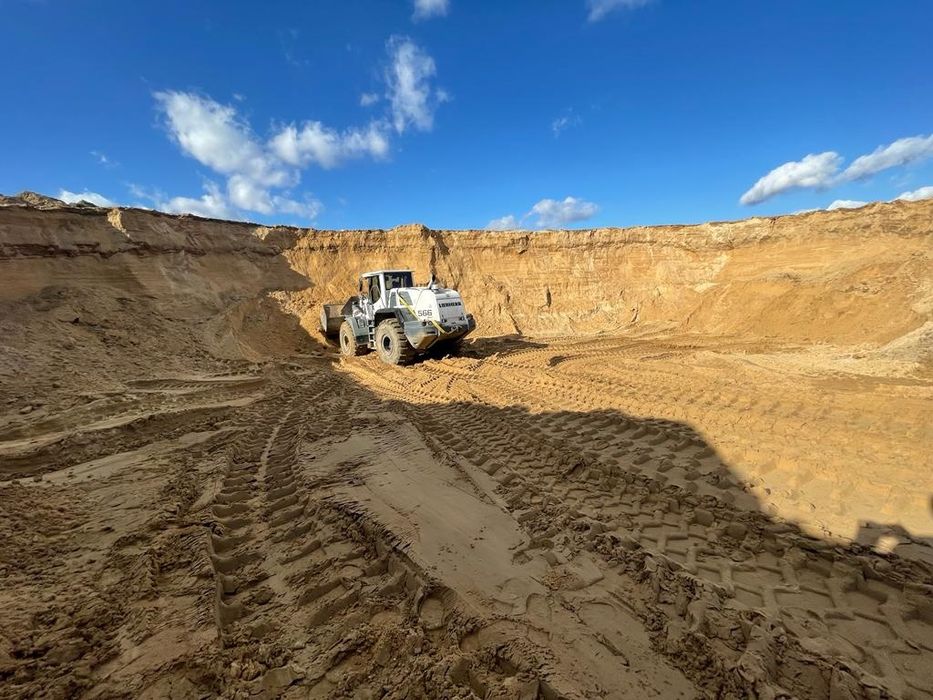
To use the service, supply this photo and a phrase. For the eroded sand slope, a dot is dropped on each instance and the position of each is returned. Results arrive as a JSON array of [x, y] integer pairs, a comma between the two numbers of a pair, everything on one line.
[[702, 469]]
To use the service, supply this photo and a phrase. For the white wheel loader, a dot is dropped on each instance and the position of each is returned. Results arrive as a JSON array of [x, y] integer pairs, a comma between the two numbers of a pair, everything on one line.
[[396, 318]]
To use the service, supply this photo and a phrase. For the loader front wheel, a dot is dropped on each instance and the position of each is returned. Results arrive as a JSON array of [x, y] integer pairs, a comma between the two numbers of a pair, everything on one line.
[[392, 345], [348, 345]]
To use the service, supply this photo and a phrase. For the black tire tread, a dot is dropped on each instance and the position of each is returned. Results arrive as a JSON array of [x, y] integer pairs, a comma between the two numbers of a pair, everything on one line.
[[358, 349], [406, 352]]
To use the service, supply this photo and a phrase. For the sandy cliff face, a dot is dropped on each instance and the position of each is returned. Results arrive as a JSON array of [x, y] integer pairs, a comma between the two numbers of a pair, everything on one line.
[[111, 293], [844, 277], [836, 277]]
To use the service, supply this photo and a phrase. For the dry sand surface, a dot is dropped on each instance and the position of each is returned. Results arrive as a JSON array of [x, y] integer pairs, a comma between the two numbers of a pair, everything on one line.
[[675, 462]]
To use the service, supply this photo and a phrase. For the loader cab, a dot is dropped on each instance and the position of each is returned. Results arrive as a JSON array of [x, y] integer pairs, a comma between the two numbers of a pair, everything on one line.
[[375, 286]]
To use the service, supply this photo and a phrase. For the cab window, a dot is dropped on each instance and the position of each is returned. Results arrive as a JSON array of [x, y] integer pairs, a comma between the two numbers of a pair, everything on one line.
[[394, 280], [373, 291]]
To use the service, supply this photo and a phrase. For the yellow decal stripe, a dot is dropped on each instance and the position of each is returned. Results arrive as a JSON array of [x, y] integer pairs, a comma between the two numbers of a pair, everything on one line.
[[438, 326]]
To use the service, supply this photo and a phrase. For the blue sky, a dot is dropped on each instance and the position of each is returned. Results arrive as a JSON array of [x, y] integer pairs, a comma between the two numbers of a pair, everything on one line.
[[466, 114]]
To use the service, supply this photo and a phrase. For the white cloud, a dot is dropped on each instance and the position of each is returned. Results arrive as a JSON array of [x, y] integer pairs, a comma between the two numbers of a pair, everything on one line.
[[216, 204], [425, 9], [503, 223], [104, 160], [548, 213], [326, 147], [816, 170], [92, 197], [822, 170], [598, 9], [918, 194], [211, 205], [553, 213], [214, 135], [368, 99], [900, 152], [308, 209], [261, 172], [564, 122], [846, 204], [244, 193], [412, 97]]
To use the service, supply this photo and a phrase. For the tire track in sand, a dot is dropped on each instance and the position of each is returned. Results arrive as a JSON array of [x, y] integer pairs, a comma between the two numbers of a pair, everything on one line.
[[792, 612]]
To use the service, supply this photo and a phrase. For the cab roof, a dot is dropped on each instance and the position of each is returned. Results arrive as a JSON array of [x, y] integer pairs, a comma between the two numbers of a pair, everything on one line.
[[380, 272]]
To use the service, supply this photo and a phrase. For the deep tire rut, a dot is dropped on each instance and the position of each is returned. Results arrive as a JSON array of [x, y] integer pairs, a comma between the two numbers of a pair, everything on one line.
[[722, 584]]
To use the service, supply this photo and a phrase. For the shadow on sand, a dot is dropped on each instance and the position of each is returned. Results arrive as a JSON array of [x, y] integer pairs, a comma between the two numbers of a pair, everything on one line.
[[741, 601]]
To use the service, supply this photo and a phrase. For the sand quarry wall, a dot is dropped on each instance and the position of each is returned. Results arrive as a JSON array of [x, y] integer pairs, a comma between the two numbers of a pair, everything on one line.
[[115, 292], [842, 277]]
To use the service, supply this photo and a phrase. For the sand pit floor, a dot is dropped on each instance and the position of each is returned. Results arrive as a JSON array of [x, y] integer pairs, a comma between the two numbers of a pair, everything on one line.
[[610, 517]]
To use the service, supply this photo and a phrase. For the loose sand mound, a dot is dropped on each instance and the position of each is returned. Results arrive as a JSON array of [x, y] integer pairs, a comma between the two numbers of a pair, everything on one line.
[[683, 461]]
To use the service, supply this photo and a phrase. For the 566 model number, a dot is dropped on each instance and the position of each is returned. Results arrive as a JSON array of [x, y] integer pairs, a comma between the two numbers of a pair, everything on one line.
[[425, 312]]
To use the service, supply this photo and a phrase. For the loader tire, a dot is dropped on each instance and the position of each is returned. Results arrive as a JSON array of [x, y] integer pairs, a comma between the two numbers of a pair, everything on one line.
[[348, 345], [392, 345]]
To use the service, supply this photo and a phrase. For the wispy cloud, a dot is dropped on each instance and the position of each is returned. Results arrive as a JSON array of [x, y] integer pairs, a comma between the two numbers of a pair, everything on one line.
[[259, 173], [598, 9], [262, 172], [217, 136], [368, 99], [554, 213], [315, 143], [918, 194], [92, 197], [245, 194], [816, 170], [103, 159], [564, 122], [912, 196], [846, 204], [409, 85], [425, 9], [900, 152], [212, 204], [548, 214], [291, 48], [821, 171], [503, 223]]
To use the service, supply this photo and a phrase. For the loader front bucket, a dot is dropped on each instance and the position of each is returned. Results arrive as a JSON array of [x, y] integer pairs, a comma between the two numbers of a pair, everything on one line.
[[331, 319]]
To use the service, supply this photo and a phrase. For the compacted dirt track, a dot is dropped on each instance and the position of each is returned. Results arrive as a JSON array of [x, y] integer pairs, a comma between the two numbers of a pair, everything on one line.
[[450, 528], [201, 499]]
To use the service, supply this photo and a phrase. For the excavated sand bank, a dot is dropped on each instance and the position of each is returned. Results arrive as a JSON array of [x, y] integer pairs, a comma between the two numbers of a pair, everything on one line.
[[679, 462]]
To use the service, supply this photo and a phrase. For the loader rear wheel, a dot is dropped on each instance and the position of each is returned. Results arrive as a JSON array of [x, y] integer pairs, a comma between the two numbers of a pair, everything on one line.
[[348, 345], [392, 345]]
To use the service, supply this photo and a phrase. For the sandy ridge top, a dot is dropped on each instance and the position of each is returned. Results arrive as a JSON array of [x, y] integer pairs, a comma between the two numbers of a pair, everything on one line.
[[33, 224]]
